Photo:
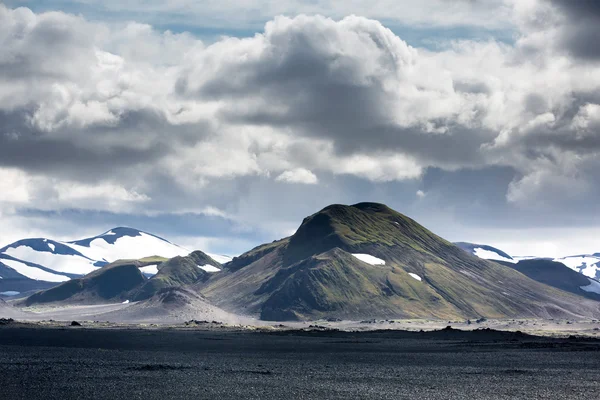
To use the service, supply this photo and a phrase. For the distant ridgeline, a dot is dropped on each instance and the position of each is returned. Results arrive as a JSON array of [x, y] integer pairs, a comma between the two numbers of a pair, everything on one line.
[[32, 264]]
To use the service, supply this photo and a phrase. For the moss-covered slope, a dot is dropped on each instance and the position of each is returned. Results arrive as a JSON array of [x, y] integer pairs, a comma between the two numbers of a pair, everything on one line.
[[176, 272], [111, 282]]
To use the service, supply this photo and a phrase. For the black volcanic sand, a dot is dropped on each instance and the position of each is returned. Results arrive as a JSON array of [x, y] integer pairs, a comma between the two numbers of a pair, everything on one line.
[[80, 363]]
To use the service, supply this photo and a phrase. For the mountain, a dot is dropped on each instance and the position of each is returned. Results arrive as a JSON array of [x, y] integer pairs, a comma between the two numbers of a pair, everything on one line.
[[178, 272], [558, 275], [369, 261], [110, 283], [34, 264], [565, 273], [586, 264], [125, 280]]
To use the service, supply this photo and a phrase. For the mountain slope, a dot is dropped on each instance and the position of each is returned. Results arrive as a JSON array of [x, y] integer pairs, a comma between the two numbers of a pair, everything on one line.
[[368, 261], [170, 305], [110, 283], [558, 275], [177, 272]]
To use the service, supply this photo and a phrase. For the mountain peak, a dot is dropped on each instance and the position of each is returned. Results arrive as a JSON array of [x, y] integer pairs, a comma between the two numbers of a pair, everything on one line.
[[357, 227], [374, 207]]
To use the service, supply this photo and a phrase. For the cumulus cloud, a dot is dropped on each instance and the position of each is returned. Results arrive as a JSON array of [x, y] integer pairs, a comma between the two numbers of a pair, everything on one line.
[[298, 175], [126, 118]]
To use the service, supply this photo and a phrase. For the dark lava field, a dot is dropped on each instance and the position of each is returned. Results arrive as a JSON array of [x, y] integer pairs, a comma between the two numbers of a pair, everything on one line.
[[79, 363]]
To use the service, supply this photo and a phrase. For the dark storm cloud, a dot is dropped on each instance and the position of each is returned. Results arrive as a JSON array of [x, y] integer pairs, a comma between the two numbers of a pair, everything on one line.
[[580, 8], [581, 32]]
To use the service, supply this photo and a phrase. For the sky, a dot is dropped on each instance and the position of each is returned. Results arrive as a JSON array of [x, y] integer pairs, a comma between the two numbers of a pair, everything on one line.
[[220, 125]]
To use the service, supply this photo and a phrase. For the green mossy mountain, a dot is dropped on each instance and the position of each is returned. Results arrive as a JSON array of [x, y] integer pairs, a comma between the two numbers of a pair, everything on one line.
[[109, 283], [313, 274], [176, 272], [123, 280]]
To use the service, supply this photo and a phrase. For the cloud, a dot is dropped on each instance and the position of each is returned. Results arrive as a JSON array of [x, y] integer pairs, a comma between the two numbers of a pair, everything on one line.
[[580, 29], [146, 122], [299, 175]]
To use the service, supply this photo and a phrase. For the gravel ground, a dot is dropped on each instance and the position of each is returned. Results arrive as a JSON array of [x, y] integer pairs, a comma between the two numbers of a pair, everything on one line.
[[79, 363]]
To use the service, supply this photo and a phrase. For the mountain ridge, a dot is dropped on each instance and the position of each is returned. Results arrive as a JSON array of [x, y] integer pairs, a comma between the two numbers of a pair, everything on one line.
[[39, 263], [124, 280]]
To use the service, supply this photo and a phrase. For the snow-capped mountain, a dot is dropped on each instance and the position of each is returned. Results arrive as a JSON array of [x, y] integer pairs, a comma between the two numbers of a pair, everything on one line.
[[588, 265], [47, 260], [576, 274]]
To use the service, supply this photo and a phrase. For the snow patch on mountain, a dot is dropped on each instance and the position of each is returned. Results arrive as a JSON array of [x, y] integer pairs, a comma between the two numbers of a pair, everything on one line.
[[209, 268], [593, 287], [127, 243], [486, 252], [369, 259], [34, 273], [67, 263], [415, 276], [587, 265], [491, 255], [149, 269]]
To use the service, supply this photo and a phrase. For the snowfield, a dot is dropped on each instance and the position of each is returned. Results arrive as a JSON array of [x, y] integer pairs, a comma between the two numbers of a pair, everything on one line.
[[491, 255], [128, 247], [593, 287], [587, 265], [369, 259], [70, 264], [34, 273]]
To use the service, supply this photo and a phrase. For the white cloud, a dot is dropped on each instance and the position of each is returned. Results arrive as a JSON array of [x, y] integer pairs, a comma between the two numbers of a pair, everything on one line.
[[298, 175], [13, 186]]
